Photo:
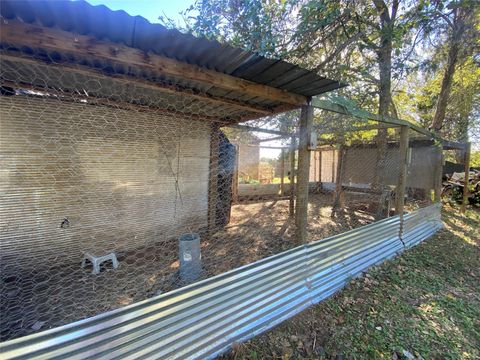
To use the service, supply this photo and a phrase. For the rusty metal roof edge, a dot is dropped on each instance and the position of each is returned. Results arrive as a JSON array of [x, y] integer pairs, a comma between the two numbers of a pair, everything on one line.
[[135, 31]]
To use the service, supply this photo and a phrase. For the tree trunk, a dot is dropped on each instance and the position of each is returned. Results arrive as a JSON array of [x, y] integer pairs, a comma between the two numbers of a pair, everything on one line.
[[447, 80], [384, 55], [455, 44]]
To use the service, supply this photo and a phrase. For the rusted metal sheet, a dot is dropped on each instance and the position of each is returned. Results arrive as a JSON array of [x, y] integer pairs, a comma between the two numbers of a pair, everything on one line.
[[135, 31]]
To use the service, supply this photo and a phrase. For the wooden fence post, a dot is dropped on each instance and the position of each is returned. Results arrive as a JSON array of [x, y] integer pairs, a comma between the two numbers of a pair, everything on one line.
[[282, 172], [213, 177], [402, 172], [319, 183], [467, 178], [292, 178], [301, 207], [235, 176], [438, 177], [338, 193]]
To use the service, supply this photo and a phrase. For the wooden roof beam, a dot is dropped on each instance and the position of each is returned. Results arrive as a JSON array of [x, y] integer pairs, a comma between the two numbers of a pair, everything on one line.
[[50, 93], [360, 113], [165, 88], [262, 130], [17, 33]]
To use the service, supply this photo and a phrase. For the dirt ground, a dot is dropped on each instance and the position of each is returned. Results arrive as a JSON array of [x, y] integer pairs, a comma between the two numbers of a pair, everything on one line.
[[44, 297]]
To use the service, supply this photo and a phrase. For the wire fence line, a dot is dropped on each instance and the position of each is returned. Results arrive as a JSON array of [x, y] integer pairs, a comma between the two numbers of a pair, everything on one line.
[[112, 194]]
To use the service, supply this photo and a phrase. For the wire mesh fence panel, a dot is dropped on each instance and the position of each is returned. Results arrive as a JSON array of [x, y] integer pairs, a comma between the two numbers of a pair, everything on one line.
[[354, 173], [113, 192], [424, 171]]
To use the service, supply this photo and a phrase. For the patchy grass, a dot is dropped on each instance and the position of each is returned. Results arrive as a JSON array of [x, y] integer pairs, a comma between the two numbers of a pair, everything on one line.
[[423, 304]]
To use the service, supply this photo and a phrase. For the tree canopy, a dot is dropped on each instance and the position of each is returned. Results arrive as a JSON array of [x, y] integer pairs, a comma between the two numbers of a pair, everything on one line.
[[413, 59]]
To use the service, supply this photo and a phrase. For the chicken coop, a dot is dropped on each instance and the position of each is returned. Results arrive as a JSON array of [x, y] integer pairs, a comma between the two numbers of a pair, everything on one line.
[[124, 228]]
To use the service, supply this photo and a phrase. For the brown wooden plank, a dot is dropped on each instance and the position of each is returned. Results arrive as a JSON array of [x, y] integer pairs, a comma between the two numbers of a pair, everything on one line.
[[235, 176], [90, 100], [213, 177], [338, 202], [282, 172], [164, 88], [292, 178], [438, 176], [17, 33]]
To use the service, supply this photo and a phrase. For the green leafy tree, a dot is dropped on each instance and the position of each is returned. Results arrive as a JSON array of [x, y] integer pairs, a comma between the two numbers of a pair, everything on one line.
[[382, 48], [455, 35]]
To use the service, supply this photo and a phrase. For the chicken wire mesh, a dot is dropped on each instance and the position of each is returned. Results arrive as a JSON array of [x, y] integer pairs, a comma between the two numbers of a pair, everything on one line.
[[353, 173], [424, 171], [113, 191]]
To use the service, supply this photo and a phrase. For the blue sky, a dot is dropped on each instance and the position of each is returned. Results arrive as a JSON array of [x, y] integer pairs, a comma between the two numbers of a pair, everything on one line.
[[149, 9]]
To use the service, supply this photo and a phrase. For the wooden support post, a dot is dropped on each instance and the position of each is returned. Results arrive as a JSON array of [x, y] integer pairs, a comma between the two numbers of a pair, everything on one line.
[[467, 178], [235, 176], [292, 178], [319, 184], [338, 193], [303, 172], [438, 176], [402, 171], [213, 177], [282, 172], [333, 165]]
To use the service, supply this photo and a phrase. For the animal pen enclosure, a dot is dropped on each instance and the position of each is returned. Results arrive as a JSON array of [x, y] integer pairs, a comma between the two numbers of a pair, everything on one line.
[[113, 146]]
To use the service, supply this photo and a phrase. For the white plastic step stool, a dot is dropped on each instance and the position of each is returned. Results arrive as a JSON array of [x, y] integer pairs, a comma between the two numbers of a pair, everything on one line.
[[98, 260]]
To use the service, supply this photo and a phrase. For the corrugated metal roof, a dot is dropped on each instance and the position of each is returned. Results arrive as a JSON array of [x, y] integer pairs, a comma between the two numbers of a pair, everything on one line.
[[135, 31]]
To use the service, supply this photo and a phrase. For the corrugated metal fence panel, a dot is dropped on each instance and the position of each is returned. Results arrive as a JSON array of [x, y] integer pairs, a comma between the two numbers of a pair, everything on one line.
[[204, 319], [421, 224], [334, 261]]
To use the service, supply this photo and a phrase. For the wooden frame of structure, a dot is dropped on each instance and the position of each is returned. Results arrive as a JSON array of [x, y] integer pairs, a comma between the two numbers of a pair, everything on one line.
[[22, 35], [55, 40], [305, 129]]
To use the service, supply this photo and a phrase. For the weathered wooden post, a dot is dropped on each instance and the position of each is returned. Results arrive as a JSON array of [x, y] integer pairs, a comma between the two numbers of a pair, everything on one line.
[[468, 149], [319, 183], [437, 191], [402, 171], [213, 176], [338, 193], [292, 177], [333, 165], [235, 176], [303, 172], [282, 172]]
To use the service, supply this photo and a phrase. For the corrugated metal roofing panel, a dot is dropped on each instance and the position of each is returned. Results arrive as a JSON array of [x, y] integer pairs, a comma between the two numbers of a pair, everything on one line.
[[117, 26]]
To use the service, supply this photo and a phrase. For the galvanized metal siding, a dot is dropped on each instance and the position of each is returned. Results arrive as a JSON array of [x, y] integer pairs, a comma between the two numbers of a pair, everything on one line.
[[421, 224], [204, 319], [111, 172]]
